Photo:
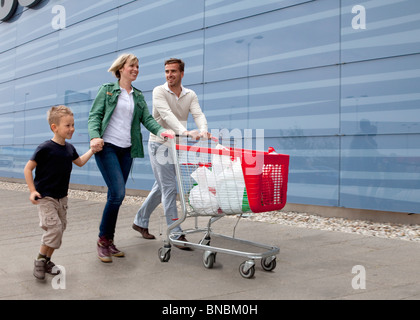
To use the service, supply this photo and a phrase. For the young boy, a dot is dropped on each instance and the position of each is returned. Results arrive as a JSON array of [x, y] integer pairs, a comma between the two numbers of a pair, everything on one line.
[[52, 162]]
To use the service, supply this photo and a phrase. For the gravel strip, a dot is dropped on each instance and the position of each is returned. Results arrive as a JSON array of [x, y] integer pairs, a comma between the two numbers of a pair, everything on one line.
[[305, 220], [295, 219]]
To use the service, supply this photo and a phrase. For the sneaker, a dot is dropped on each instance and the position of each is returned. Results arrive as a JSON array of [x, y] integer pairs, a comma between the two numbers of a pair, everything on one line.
[[39, 269], [114, 251], [104, 253], [49, 268]]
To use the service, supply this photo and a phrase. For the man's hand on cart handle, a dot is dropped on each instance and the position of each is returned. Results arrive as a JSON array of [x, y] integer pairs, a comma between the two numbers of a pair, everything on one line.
[[168, 134], [193, 134], [205, 135]]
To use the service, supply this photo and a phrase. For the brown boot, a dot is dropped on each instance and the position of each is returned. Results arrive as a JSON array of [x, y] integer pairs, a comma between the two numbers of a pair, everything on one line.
[[114, 251], [103, 250], [144, 232], [182, 238]]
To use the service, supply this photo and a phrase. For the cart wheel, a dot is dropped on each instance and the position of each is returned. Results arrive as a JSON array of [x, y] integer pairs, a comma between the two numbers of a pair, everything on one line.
[[246, 270], [205, 241], [164, 257], [209, 259], [268, 265]]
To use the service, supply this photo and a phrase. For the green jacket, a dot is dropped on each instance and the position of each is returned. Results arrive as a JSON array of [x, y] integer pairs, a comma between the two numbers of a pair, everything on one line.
[[103, 107]]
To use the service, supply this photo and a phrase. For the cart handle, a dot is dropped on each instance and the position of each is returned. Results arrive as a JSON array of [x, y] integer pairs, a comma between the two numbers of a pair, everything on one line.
[[167, 136], [213, 138]]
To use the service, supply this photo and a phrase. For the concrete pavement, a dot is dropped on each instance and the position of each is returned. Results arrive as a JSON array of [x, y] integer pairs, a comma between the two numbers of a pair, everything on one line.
[[312, 264]]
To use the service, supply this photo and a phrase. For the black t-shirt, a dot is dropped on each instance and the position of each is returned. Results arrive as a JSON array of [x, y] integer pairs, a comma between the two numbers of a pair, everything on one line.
[[54, 165]]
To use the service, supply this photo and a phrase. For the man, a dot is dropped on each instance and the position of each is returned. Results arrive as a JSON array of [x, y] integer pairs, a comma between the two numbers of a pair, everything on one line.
[[172, 104]]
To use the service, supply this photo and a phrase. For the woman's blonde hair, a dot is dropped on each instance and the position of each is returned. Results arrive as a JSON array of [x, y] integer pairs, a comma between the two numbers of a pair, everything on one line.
[[120, 62]]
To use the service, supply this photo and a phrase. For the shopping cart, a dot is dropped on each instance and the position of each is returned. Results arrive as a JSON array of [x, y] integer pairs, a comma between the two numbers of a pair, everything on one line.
[[216, 181]]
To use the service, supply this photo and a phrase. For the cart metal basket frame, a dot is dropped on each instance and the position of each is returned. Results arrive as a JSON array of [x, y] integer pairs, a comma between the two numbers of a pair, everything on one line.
[[265, 175]]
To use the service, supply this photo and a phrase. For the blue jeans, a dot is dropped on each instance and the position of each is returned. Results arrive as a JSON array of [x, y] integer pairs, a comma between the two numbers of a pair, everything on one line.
[[115, 164]]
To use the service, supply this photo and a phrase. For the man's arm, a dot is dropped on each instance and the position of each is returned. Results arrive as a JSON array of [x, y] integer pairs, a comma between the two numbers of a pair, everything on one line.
[[198, 115]]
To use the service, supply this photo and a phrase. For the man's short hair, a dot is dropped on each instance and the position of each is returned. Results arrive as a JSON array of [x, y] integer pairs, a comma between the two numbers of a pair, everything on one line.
[[178, 61]]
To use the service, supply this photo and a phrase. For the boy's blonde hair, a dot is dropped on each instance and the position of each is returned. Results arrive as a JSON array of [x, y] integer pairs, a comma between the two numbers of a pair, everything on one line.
[[56, 113], [120, 62]]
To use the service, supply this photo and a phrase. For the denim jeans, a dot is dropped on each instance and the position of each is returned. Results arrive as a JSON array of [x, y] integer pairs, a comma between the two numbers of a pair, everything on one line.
[[164, 189], [114, 163]]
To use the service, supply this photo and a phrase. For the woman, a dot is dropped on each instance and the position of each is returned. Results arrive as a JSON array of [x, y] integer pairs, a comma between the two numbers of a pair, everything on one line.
[[114, 123]]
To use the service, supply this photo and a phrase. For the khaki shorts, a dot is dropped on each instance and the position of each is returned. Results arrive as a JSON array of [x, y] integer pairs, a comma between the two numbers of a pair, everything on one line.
[[53, 219]]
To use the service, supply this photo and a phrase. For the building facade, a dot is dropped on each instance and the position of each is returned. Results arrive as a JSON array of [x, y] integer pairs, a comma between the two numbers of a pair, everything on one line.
[[333, 83]]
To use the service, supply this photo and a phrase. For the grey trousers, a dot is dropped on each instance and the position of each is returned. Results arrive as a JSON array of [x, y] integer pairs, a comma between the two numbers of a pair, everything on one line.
[[164, 189]]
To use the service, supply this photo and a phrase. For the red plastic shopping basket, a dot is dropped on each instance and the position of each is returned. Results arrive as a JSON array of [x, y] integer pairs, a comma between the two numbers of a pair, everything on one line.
[[265, 175]]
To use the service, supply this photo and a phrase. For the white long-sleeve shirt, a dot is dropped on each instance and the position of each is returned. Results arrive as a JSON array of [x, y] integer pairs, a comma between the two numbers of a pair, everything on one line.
[[172, 112]]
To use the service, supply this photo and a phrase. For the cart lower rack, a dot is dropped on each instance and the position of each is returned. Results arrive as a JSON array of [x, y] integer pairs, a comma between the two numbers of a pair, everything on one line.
[[218, 181]]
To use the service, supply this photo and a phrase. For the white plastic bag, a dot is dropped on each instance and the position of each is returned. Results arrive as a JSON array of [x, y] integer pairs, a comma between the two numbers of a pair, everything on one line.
[[203, 200], [225, 180], [202, 197], [220, 163], [204, 177], [230, 186]]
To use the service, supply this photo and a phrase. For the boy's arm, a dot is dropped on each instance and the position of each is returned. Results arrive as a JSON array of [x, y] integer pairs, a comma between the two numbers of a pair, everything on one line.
[[81, 161], [27, 171]]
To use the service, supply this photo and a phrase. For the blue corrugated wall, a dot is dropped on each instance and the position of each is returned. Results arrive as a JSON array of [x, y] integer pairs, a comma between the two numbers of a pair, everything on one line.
[[335, 84]]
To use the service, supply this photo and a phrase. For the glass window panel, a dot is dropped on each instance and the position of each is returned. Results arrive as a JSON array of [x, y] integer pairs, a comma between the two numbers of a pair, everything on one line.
[[225, 104], [392, 28], [34, 23], [7, 94], [81, 81], [79, 12], [295, 104], [7, 66], [13, 159], [313, 169], [222, 11], [8, 32], [86, 40], [147, 21], [35, 126], [35, 91], [81, 115], [37, 56], [6, 129], [381, 172], [383, 92], [294, 38], [188, 47]]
